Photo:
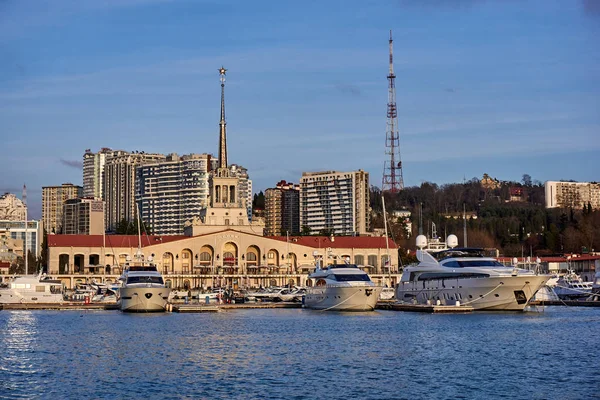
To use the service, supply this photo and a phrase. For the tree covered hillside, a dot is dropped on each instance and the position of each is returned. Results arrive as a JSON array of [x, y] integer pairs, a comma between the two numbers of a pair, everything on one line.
[[509, 216]]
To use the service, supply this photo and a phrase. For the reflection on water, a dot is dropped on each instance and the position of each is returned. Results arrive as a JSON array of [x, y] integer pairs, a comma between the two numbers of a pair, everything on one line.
[[299, 354]]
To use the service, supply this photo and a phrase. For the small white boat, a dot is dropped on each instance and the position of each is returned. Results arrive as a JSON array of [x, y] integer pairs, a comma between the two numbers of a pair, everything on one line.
[[595, 296], [342, 287], [570, 286], [32, 289], [387, 293]]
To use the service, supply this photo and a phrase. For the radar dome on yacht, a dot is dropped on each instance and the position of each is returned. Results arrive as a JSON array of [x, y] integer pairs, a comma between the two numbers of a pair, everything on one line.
[[452, 241], [150, 258], [421, 241]]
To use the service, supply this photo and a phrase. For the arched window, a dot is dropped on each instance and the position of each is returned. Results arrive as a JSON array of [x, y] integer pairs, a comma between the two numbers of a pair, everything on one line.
[[228, 258], [205, 256], [359, 260], [373, 260]]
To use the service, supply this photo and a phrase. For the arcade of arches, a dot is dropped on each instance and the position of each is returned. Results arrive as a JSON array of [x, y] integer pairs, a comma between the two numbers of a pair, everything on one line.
[[225, 258]]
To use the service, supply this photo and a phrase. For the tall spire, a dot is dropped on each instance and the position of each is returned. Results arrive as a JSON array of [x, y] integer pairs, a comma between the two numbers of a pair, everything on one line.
[[392, 180], [222, 125]]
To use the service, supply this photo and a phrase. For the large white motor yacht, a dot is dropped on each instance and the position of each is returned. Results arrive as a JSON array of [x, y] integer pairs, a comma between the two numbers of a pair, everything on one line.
[[32, 289], [465, 276], [342, 287], [143, 288]]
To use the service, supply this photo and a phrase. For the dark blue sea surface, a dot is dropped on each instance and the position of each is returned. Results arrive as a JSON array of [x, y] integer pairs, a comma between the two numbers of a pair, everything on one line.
[[300, 354]]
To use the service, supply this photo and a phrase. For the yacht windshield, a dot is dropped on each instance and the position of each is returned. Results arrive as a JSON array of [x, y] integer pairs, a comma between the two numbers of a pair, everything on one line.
[[473, 263], [352, 277], [145, 279]]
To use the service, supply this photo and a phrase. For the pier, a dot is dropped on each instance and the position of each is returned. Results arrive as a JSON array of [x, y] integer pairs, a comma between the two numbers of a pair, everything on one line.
[[423, 308], [59, 306]]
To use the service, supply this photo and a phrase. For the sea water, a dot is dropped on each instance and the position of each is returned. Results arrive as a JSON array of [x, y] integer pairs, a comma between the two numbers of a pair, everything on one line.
[[300, 354]]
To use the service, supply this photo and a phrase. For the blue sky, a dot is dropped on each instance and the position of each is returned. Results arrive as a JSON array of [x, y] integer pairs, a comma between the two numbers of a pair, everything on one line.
[[499, 87]]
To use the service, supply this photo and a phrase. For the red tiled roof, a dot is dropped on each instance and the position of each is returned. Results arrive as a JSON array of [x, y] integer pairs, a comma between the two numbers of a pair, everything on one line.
[[109, 240], [344, 242], [341, 242]]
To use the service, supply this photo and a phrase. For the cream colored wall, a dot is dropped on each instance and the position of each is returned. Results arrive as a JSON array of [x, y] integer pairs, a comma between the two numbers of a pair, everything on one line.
[[242, 241]]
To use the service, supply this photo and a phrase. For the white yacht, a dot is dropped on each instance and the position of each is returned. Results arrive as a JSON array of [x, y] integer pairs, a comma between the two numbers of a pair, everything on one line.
[[32, 289], [465, 276], [595, 296], [570, 286], [143, 288], [341, 288]]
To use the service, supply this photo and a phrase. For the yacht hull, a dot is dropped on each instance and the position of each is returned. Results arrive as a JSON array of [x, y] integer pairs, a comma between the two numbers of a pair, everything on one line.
[[10, 296], [347, 298], [502, 293], [143, 299]]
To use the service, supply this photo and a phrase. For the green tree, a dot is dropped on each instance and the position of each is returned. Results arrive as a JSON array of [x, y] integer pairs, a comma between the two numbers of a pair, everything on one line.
[[305, 230], [125, 227], [258, 201]]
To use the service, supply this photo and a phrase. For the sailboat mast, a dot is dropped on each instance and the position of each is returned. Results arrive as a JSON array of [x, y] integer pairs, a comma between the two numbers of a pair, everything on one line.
[[25, 240], [387, 242]]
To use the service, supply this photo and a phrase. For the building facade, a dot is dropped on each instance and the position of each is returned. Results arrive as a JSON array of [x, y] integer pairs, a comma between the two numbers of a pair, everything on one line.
[[572, 194], [53, 199], [12, 208], [119, 185], [335, 201], [34, 234], [244, 186], [230, 257], [93, 170], [173, 191], [83, 216], [282, 209]]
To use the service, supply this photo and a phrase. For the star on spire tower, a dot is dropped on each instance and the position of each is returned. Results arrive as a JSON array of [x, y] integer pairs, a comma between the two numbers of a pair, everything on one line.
[[222, 124]]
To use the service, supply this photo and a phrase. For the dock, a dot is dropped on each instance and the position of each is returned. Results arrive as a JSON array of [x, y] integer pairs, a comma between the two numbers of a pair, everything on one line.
[[568, 303], [201, 308], [59, 306], [423, 308]]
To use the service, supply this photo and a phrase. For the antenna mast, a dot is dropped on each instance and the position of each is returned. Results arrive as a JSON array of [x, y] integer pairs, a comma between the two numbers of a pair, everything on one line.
[[393, 180]]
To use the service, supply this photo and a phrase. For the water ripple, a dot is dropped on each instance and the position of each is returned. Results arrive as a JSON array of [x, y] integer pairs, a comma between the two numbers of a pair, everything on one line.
[[299, 354]]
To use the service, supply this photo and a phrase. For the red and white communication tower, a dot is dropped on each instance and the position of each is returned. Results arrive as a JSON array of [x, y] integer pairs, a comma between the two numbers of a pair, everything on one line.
[[392, 180]]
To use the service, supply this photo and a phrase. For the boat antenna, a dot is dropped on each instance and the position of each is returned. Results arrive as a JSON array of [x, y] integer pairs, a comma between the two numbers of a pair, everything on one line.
[[420, 218], [465, 225]]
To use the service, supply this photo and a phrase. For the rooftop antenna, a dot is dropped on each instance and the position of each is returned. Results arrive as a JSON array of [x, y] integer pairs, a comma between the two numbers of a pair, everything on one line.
[[392, 180]]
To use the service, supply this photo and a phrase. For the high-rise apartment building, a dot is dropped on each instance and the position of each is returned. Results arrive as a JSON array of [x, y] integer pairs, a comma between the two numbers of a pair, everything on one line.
[[244, 186], [93, 168], [12, 208], [173, 191], [335, 201], [53, 199], [83, 216], [118, 186], [282, 209], [572, 194]]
